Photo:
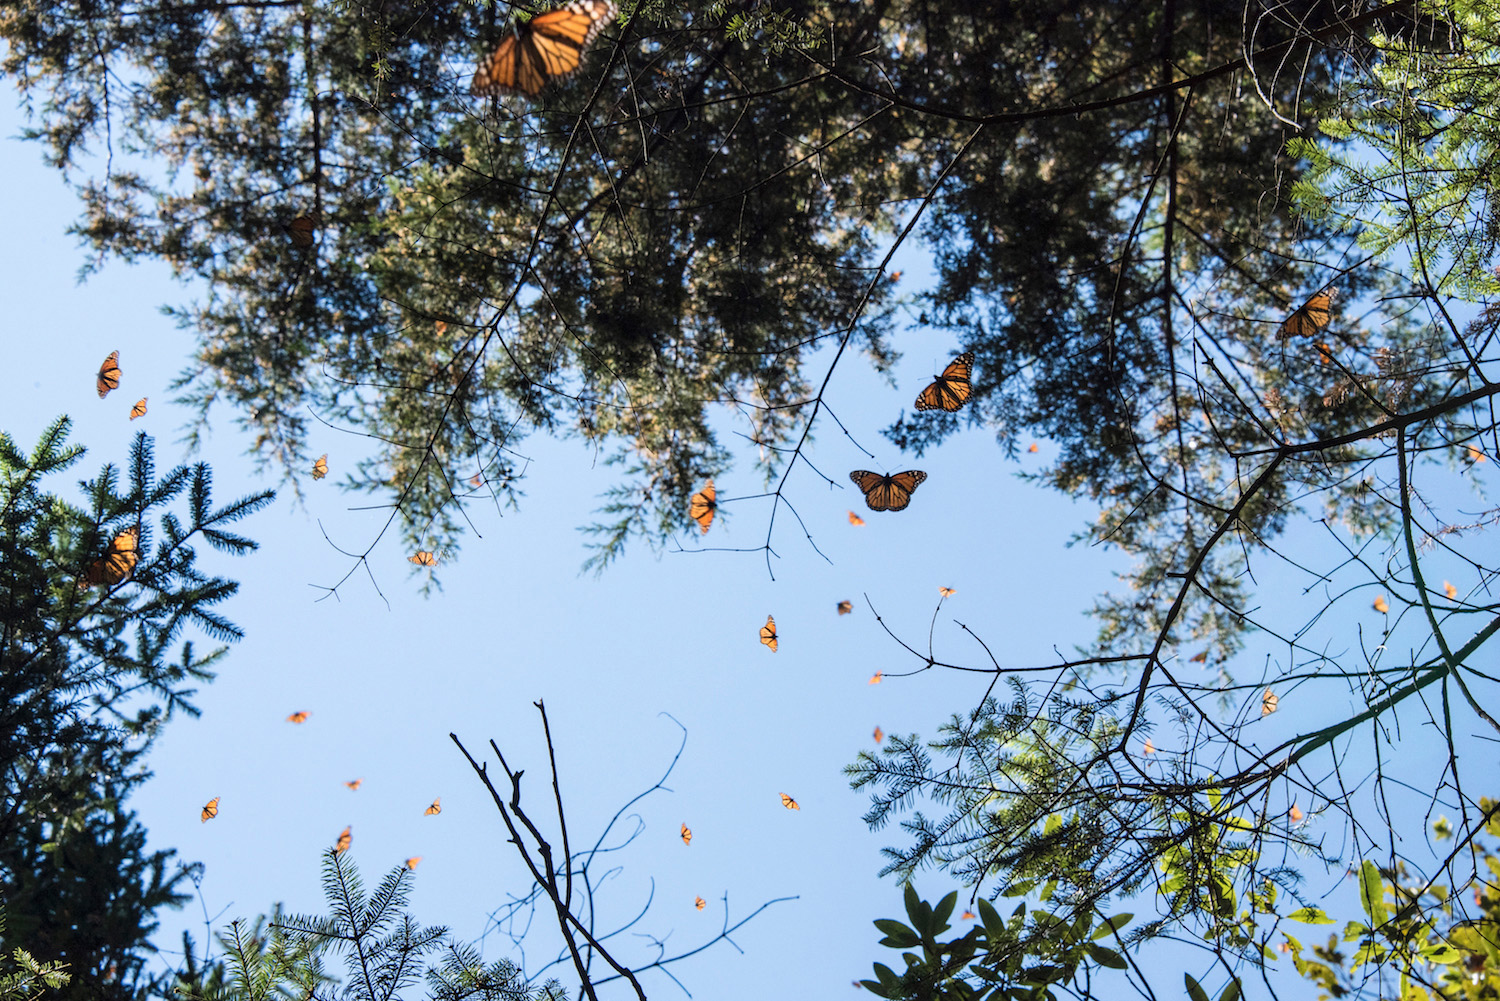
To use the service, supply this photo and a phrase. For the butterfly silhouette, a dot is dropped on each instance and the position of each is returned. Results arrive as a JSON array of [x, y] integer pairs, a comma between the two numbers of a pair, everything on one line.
[[789, 803], [845, 607], [435, 809], [687, 835], [423, 558], [345, 840], [300, 716], [320, 468]]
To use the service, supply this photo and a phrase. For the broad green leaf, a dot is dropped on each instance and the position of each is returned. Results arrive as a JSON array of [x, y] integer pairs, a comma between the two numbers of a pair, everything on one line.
[[1231, 991], [1310, 916], [1194, 991], [1111, 924], [1107, 957], [1372, 893], [897, 935]]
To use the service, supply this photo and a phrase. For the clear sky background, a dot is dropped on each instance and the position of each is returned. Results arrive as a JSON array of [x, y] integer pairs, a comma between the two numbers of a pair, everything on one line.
[[385, 679]]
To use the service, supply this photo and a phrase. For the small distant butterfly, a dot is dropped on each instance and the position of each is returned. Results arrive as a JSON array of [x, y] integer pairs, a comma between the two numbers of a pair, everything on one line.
[[1033, 447], [845, 607], [1325, 353], [1200, 658], [966, 916], [768, 633], [1294, 813], [411, 863], [210, 810], [687, 835], [875, 678], [947, 592], [1309, 318], [1148, 747], [699, 903], [345, 840], [139, 410], [300, 716], [476, 480], [879, 735], [950, 390], [855, 519], [108, 379], [1450, 590], [301, 230], [1474, 455], [1268, 703], [887, 493], [320, 468], [895, 276], [1381, 605], [118, 561], [435, 809], [701, 506], [354, 784], [423, 558], [789, 803]]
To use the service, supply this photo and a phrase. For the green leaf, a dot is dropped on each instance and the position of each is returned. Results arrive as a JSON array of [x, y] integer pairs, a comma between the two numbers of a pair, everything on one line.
[[1310, 916], [897, 935], [1231, 991], [1107, 957], [943, 912], [1110, 925], [1372, 893], [1194, 991]]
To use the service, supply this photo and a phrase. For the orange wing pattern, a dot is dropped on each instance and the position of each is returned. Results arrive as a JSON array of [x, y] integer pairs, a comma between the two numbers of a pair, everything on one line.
[[875, 678], [946, 592], [118, 562], [702, 505], [687, 835], [423, 558], [699, 903], [210, 810], [952, 389], [855, 519], [345, 840], [548, 47], [139, 410], [108, 379], [845, 607], [354, 784], [789, 803], [320, 468], [411, 863], [768, 633], [1381, 605], [1268, 703], [879, 735], [300, 716], [887, 493], [1309, 318], [435, 809]]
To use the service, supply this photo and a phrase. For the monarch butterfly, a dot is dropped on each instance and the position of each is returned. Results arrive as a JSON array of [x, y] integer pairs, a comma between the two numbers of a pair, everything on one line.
[[108, 379], [545, 48], [300, 716], [845, 607], [946, 592], [879, 735], [1450, 590], [320, 468], [895, 276], [1310, 317], [1200, 658], [411, 863], [354, 784], [950, 390], [476, 480], [687, 835], [345, 840], [210, 810], [1268, 703], [118, 561], [1148, 747], [301, 230], [139, 410], [435, 809], [701, 506], [789, 803], [768, 633], [1033, 447], [1295, 814], [855, 519], [1381, 605], [423, 558], [699, 903], [966, 916], [875, 678], [887, 493]]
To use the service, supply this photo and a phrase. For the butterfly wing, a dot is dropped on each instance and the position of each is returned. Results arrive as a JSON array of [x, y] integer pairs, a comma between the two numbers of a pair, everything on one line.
[[768, 633], [543, 49], [118, 561], [139, 410], [210, 810], [108, 379], [435, 808], [1309, 318], [687, 835], [789, 803], [301, 230], [952, 389], [887, 493], [320, 468], [701, 506]]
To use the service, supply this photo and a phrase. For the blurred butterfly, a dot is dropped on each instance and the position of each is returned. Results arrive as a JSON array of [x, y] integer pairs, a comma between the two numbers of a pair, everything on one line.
[[699, 903], [879, 735], [411, 863], [355, 783], [1381, 605], [210, 810], [768, 633], [1294, 813], [1473, 456], [855, 519], [301, 230], [435, 809], [887, 493], [1033, 447], [875, 678], [108, 379], [966, 916], [118, 562], [1148, 747], [300, 716], [139, 410], [545, 48], [946, 592], [895, 277], [701, 506], [476, 480], [950, 390], [320, 468], [1450, 590], [1200, 658], [789, 803], [423, 558], [845, 607], [687, 835], [1268, 703], [345, 840], [1310, 317]]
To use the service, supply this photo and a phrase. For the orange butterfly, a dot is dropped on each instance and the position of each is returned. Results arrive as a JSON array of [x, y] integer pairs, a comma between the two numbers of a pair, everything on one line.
[[108, 379], [845, 607], [210, 810], [789, 803], [952, 389], [875, 678], [1310, 317], [476, 480], [1268, 703], [855, 519], [118, 561], [423, 558], [345, 840], [887, 493], [320, 468], [701, 506], [545, 48], [768, 633], [300, 716], [966, 916], [301, 231], [1201, 658], [1033, 447], [1474, 455], [879, 735], [699, 903], [139, 410], [1295, 813], [895, 276], [411, 863], [946, 592], [1450, 590], [1381, 605], [435, 809], [1148, 747], [355, 783], [687, 835]]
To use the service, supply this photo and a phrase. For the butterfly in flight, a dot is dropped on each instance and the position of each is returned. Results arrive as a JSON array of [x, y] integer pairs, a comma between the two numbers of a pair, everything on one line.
[[1309, 318], [423, 558], [139, 410], [946, 592], [301, 230], [547, 47], [320, 468], [855, 519], [768, 633], [1450, 590], [411, 863], [108, 379], [435, 809], [1033, 447], [687, 835], [879, 735], [210, 810], [699, 903], [702, 505], [345, 840], [1295, 814], [950, 390], [118, 562], [1381, 605], [789, 803], [1268, 703], [300, 716], [875, 678], [887, 493], [845, 607], [354, 784]]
